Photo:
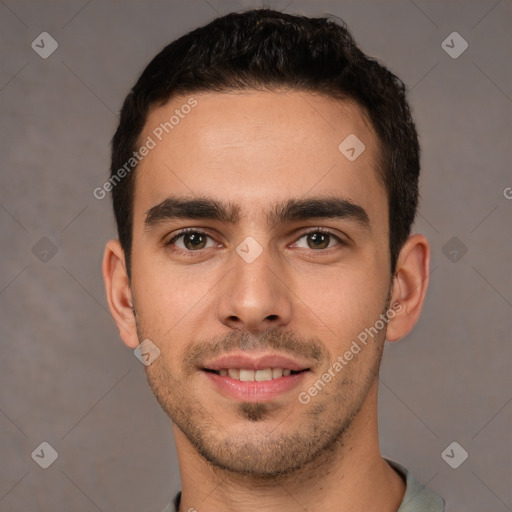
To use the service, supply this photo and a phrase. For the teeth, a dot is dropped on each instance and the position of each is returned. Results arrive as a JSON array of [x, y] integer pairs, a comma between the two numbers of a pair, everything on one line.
[[262, 375], [255, 375], [234, 373], [246, 375], [277, 372]]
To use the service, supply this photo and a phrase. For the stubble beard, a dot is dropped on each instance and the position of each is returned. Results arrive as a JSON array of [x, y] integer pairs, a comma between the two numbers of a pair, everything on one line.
[[319, 437]]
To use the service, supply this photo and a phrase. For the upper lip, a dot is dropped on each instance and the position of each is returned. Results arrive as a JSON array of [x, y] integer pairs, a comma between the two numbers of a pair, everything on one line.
[[254, 362]]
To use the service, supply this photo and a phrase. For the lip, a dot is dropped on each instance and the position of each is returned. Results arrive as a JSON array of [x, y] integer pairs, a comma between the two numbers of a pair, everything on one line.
[[254, 391], [255, 362]]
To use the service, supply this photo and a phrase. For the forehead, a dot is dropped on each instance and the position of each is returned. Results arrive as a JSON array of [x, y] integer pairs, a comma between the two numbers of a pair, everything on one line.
[[253, 148]]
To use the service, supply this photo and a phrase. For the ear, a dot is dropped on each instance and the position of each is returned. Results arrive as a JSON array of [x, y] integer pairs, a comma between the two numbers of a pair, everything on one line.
[[409, 287], [119, 294]]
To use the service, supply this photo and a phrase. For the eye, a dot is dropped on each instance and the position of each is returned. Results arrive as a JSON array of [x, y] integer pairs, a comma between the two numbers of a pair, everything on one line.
[[319, 239], [191, 240]]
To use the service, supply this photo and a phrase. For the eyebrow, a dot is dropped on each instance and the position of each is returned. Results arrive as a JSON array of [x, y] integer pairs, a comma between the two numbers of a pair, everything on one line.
[[290, 210]]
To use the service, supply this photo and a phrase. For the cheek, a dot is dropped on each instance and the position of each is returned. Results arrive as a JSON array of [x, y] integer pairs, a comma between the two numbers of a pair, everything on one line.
[[159, 285], [171, 302], [343, 302]]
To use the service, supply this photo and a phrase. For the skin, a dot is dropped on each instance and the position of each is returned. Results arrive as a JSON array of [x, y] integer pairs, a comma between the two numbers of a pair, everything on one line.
[[255, 149]]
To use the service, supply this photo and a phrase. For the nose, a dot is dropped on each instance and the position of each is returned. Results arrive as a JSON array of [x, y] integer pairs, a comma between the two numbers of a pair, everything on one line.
[[254, 295]]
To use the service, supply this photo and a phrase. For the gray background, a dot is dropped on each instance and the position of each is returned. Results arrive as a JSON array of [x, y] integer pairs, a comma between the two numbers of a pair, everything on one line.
[[67, 379]]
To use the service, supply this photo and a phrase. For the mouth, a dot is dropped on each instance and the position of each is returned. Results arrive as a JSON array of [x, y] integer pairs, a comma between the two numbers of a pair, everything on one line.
[[251, 379], [248, 375]]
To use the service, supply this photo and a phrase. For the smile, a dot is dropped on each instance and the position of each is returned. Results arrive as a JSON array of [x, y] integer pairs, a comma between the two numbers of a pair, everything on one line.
[[254, 377], [248, 375]]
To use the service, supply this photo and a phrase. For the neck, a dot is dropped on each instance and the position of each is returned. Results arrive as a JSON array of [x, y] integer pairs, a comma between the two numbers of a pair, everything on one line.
[[349, 475]]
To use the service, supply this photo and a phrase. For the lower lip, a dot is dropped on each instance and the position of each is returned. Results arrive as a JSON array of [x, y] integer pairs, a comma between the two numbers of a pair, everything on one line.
[[254, 391]]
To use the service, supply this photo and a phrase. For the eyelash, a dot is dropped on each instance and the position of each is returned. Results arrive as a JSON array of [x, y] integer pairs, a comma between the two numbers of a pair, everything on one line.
[[191, 253]]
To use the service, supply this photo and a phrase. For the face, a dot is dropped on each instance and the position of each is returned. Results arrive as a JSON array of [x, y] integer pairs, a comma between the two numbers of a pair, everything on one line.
[[260, 254]]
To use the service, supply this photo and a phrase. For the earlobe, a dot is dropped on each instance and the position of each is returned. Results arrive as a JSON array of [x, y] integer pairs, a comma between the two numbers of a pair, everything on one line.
[[409, 287], [119, 295]]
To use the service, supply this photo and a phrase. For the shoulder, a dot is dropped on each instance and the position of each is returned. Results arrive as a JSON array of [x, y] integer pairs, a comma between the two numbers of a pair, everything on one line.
[[417, 497]]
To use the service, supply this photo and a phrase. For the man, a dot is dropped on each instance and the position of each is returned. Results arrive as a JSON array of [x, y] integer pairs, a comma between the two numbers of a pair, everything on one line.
[[265, 179]]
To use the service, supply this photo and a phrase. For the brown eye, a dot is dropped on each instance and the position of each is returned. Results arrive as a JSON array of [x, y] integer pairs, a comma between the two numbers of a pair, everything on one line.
[[194, 241], [191, 241], [318, 240]]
